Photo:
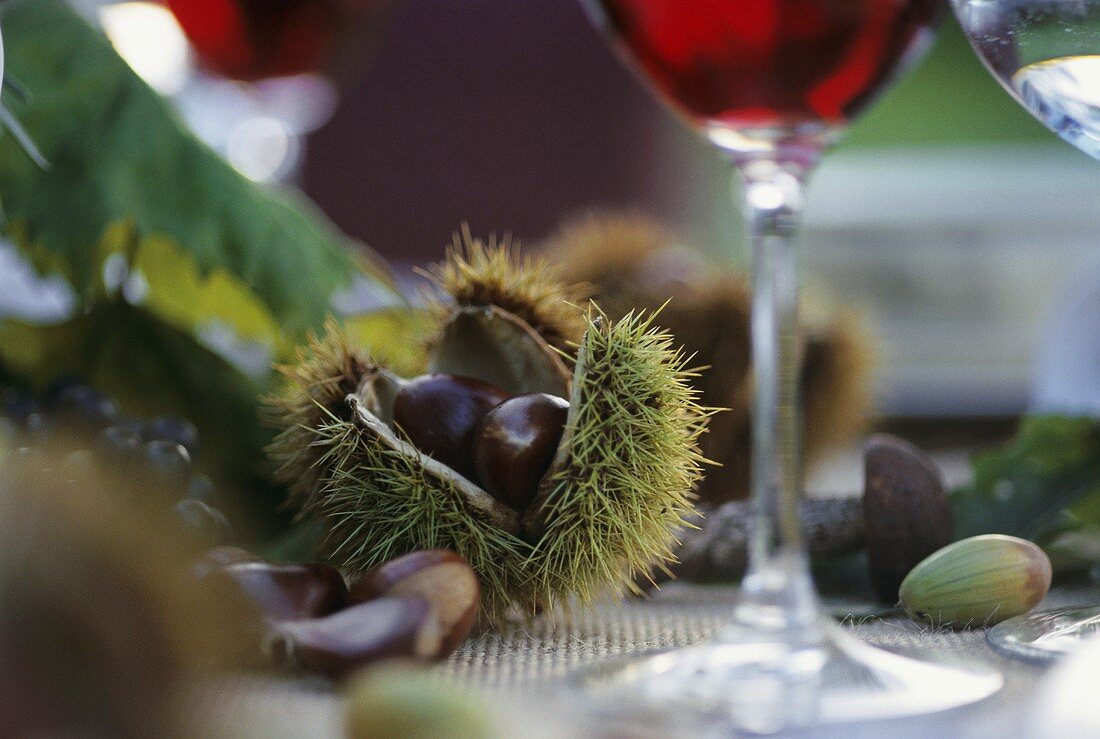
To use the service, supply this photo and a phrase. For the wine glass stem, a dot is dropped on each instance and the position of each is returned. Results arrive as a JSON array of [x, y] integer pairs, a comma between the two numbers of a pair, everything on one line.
[[778, 576]]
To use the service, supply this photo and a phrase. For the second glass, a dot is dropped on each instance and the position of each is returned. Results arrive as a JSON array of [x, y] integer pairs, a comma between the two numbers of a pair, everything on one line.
[[1046, 53]]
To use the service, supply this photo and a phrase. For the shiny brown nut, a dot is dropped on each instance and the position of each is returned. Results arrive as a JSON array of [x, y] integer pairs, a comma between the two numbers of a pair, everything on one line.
[[906, 513], [515, 444], [285, 592], [442, 578], [384, 628], [219, 558], [439, 413]]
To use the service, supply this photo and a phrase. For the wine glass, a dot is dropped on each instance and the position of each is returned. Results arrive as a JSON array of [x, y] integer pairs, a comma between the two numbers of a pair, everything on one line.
[[1046, 53], [771, 84], [252, 40], [275, 68]]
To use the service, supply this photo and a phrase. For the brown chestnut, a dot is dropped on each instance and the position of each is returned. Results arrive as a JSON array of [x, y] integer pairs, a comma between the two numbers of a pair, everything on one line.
[[906, 511], [515, 444], [441, 577], [285, 592], [439, 413], [384, 628], [219, 558]]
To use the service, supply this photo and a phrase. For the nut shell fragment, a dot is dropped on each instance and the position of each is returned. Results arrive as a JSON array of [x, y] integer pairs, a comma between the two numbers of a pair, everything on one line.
[[439, 576], [497, 347], [385, 628]]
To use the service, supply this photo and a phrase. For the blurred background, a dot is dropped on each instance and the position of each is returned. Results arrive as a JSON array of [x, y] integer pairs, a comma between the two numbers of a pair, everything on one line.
[[958, 222]]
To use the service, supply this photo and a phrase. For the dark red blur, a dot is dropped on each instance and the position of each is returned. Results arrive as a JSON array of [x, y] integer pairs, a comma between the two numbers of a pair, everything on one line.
[[254, 39], [770, 63]]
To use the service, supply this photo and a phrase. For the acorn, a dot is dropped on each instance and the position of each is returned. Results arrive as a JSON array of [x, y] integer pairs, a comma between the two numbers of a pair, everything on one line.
[[593, 498], [977, 582], [403, 701]]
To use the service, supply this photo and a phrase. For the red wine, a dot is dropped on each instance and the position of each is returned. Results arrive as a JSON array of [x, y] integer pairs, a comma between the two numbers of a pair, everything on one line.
[[253, 39], [770, 63]]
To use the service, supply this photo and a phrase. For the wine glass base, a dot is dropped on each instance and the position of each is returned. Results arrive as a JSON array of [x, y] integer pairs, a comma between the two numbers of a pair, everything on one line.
[[764, 686], [1047, 635]]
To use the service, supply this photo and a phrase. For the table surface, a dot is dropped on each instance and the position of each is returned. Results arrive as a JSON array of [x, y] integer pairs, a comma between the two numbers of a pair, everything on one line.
[[523, 670]]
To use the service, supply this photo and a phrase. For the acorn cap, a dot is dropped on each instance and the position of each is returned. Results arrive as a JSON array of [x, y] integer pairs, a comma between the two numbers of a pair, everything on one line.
[[906, 511]]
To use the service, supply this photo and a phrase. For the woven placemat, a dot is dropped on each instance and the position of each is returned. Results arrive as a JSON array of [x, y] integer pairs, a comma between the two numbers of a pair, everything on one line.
[[524, 668]]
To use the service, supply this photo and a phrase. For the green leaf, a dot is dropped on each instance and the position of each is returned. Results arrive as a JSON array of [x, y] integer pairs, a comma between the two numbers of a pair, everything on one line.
[[190, 280], [119, 154], [1021, 488]]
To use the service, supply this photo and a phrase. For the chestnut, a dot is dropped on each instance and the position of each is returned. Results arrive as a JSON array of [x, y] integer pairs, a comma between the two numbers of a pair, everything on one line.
[[441, 577], [515, 444], [439, 413], [219, 558], [284, 592], [384, 628], [906, 511]]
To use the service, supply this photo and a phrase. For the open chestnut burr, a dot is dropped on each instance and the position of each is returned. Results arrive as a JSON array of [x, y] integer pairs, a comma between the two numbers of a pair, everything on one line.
[[570, 485]]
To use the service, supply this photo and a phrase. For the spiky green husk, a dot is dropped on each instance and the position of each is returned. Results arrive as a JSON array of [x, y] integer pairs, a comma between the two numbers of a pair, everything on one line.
[[609, 510], [494, 273], [611, 507], [327, 370], [378, 504], [635, 263]]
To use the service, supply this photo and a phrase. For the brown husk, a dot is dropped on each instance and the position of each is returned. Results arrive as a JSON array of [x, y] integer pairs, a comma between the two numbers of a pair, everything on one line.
[[632, 262]]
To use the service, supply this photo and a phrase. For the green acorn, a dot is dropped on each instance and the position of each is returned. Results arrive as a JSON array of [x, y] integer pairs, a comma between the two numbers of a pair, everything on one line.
[[979, 581], [405, 702], [379, 459]]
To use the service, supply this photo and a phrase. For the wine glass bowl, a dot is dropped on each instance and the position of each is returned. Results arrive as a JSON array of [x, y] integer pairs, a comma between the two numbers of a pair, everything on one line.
[[251, 40], [771, 84], [270, 72], [1046, 53], [752, 73]]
